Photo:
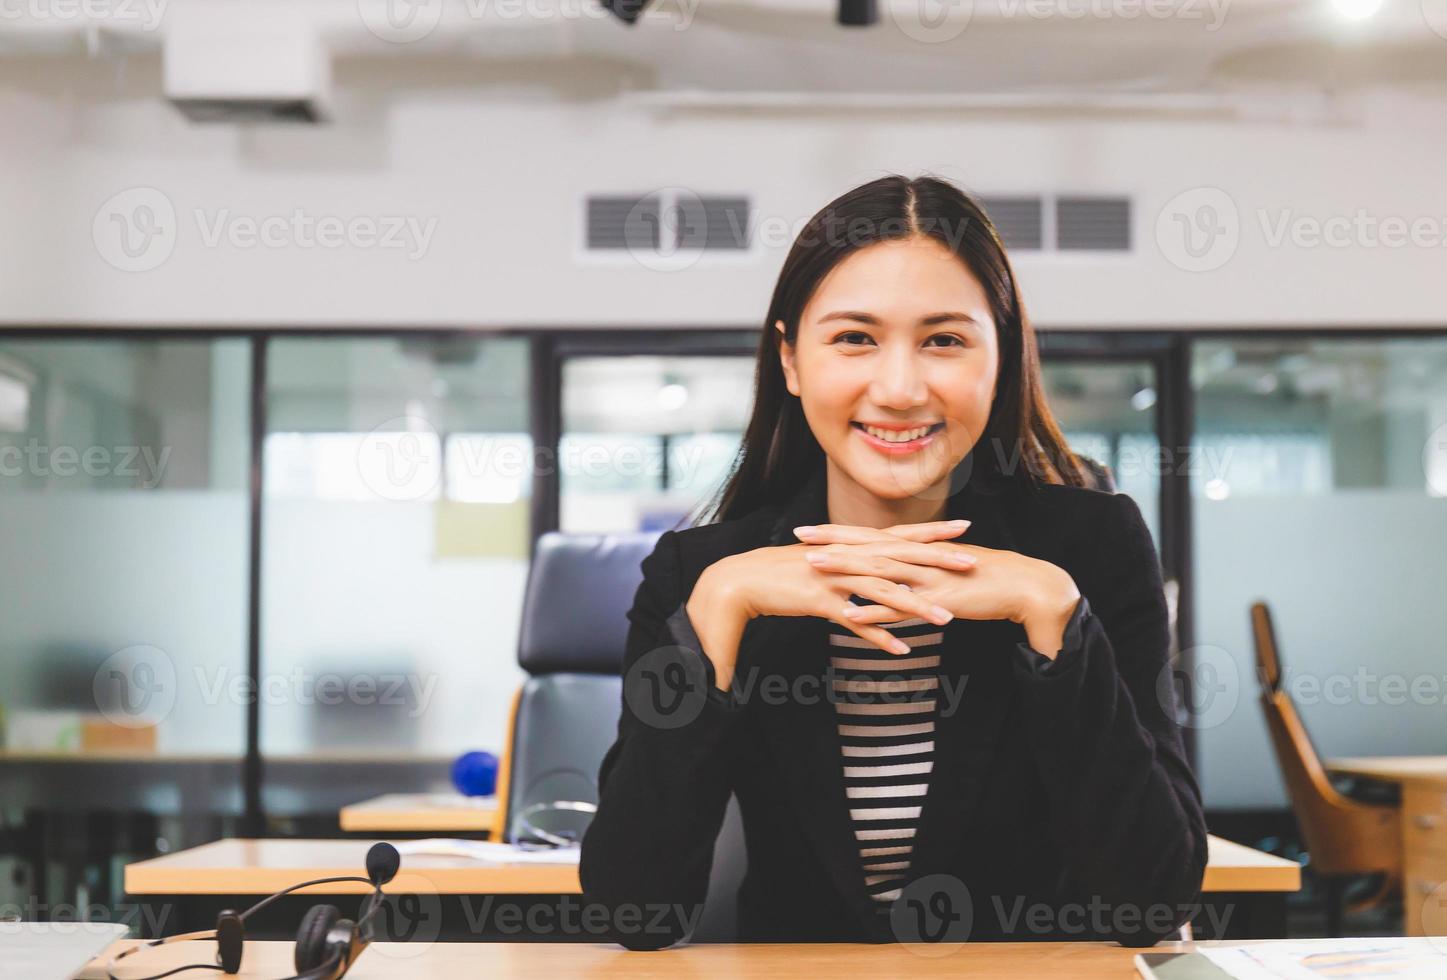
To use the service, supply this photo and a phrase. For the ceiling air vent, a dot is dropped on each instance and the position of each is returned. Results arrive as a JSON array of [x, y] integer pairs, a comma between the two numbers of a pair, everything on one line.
[[667, 222], [1019, 220], [1092, 224]]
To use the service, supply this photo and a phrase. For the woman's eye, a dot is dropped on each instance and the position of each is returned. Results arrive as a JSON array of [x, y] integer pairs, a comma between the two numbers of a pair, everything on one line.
[[854, 338], [950, 340]]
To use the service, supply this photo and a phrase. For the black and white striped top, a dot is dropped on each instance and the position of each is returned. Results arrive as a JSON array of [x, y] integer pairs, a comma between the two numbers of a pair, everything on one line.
[[886, 706]]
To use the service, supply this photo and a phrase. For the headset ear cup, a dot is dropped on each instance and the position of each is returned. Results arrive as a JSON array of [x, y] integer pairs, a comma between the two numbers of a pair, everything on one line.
[[311, 937]]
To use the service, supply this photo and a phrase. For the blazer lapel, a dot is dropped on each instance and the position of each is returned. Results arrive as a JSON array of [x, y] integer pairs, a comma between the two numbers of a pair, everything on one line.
[[975, 688]]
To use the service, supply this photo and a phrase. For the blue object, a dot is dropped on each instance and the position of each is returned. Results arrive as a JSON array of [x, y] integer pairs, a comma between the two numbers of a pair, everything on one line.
[[475, 774]]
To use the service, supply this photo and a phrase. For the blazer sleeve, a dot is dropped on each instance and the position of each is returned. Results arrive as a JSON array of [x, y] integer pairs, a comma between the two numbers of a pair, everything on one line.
[[665, 782], [1125, 809]]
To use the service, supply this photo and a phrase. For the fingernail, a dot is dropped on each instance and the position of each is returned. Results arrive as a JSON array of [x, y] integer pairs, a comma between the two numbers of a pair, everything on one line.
[[899, 646], [942, 615], [850, 611], [964, 560], [805, 531], [816, 557], [959, 523]]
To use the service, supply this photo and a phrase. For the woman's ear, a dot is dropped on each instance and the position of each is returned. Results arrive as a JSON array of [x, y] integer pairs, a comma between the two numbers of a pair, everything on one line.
[[786, 360]]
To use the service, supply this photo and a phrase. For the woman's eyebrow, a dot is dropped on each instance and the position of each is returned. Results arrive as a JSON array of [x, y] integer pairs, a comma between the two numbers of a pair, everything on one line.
[[934, 319]]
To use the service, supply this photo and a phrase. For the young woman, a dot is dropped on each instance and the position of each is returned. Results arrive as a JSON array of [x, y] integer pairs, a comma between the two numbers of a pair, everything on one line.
[[922, 655]]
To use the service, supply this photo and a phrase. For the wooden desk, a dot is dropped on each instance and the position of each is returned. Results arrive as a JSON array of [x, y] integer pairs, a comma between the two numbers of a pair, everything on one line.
[[422, 813], [1423, 780], [387, 961], [258, 867], [191, 886]]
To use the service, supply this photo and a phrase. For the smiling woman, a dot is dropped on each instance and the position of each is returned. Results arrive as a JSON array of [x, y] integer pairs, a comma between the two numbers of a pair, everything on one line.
[[903, 517]]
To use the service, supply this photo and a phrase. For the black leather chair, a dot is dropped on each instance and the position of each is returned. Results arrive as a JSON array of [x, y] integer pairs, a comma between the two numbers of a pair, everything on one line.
[[574, 629]]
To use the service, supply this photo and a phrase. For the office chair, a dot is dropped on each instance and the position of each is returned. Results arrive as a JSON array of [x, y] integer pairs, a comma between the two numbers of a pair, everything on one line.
[[1345, 837], [565, 716]]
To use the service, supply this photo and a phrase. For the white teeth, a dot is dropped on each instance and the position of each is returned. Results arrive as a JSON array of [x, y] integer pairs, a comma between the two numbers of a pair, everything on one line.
[[890, 435]]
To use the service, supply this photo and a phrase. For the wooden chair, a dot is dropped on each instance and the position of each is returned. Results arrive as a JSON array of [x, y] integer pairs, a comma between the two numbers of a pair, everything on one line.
[[1345, 837]]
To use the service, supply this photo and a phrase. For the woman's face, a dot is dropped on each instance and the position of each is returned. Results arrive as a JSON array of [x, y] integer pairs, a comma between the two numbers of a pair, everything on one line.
[[895, 365]]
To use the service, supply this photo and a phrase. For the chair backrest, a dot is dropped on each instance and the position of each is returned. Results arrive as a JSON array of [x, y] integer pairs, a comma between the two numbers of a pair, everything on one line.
[[574, 630], [571, 640], [1342, 835]]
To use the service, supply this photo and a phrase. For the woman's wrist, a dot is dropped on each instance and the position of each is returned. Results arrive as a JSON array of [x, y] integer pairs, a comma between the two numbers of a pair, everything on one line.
[[718, 616], [1049, 612]]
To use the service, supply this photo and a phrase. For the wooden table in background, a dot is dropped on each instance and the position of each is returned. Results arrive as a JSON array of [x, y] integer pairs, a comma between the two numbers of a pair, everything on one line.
[[422, 813], [1423, 779], [192, 885]]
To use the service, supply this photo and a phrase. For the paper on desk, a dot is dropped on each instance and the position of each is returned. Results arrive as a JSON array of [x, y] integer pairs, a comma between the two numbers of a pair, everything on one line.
[[1408, 959], [493, 851]]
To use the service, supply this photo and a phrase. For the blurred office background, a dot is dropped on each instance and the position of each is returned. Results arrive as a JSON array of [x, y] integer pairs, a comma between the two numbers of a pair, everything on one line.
[[242, 448]]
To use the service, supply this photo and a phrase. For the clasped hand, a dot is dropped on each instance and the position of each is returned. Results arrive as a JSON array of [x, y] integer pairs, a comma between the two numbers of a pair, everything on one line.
[[926, 574]]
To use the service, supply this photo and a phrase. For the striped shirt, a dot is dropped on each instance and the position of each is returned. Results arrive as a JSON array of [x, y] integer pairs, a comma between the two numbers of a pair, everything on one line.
[[886, 707]]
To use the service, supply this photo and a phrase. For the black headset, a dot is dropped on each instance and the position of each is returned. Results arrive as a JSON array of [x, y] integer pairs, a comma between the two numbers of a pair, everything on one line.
[[326, 944]]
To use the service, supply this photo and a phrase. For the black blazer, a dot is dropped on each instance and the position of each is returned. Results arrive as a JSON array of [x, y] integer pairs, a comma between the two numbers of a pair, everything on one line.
[[1061, 801]]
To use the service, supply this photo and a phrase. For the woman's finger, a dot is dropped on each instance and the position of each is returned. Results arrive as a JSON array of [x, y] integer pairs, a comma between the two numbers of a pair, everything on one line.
[[893, 560], [900, 597], [879, 616], [877, 635], [931, 531], [851, 534]]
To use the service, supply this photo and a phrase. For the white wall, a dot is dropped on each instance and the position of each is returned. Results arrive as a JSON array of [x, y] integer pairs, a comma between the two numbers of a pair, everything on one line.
[[1352, 606], [501, 162]]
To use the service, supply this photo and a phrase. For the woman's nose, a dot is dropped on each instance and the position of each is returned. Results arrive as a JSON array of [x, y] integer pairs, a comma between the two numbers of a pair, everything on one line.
[[900, 382]]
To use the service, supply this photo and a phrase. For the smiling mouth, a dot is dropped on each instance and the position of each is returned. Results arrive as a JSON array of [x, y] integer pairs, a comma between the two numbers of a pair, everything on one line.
[[901, 438]]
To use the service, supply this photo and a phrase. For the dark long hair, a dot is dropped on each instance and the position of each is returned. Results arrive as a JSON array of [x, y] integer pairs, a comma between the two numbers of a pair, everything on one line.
[[1021, 444]]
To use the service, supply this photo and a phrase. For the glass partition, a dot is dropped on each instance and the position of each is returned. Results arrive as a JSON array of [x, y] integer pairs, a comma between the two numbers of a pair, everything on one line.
[[1324, 496], [395, 545]]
